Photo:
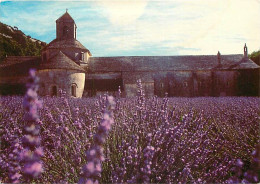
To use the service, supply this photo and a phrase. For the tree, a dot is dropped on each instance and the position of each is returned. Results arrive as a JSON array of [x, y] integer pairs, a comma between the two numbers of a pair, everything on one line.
[[255, 56]]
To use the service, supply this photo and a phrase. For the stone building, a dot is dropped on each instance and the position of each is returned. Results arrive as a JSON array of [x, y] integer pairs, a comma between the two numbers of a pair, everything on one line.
[[67, 65]]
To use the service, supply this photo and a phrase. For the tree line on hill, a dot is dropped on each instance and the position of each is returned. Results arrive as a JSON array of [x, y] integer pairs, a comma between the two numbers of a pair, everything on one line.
[[14, 42]]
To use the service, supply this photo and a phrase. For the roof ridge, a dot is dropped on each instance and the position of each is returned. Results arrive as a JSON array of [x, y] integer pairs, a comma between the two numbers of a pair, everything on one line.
[[64, 16], [62, 61], [61, 53], [56, 55], [22, 56], [168, 56]]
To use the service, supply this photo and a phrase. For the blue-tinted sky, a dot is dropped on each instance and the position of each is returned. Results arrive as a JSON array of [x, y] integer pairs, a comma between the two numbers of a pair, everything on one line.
[[145, 27]]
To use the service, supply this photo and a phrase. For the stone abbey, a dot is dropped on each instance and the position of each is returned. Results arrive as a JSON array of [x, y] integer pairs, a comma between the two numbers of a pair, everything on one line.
[[65, 64]]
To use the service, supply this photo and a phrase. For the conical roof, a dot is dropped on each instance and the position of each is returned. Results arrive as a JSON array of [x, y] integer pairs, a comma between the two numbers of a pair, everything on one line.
[[66, 43], [65, 17], [61, 61]]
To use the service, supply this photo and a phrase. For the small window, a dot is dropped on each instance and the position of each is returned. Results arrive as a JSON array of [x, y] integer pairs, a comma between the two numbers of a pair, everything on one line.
[[73, 90], [54, 91], [82, 56]]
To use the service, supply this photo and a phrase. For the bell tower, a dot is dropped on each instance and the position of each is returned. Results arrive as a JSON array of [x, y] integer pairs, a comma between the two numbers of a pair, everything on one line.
[[65, 27]]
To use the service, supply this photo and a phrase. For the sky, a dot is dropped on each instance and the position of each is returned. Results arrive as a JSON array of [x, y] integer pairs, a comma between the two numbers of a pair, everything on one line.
[[144, 27]]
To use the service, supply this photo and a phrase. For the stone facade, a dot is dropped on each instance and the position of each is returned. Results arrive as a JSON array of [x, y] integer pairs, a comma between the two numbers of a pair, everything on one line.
[[65, 64], [52, 81]]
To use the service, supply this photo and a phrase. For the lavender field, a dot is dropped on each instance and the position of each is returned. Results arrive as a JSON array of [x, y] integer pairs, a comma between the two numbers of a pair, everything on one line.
[[138, 140]]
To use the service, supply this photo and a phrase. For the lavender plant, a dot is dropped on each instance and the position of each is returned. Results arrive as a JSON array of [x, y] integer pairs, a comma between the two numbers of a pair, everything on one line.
[[92, 170], [249, 173], [30, 156], [14, 168], [193, 140]]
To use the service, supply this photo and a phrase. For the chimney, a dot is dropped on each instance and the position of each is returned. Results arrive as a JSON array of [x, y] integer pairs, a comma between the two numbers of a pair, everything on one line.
[[245, 51], [219, 58]]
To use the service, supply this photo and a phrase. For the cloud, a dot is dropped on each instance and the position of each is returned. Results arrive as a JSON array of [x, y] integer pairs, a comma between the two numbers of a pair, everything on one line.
[[164, 25], [143, 27], [122, 12], [237, 24], [208, 26]]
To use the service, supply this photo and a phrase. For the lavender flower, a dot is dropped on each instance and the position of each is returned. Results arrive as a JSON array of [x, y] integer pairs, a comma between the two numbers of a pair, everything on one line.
[[31, 140], [148, 153], [140, 95], [119, 92], [250, 175], [94, 156], [14, 164]]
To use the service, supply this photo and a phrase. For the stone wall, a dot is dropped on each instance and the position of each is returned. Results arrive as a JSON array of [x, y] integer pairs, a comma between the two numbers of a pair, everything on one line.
[[62, 79], [224, 83], [13, 85], [130, 82], [133, 76], [248, 82], [186, 83], [174, 83], [13, 80], [130, 90]]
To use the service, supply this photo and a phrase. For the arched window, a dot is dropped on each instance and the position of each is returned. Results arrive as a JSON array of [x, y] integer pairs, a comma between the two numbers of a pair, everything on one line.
[[73, 89], [162, 85], [54, 91]]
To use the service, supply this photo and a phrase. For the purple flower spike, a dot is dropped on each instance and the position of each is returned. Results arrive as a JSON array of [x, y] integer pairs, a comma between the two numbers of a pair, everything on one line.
[[14, 166], [91, 172], [32, 152], [148, 154]]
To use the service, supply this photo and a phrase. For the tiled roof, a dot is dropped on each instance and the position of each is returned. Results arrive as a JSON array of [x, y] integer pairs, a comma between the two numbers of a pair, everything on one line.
[[66, 43], [60, 61], [18, 65], [11, 60], [169, 63], [65, 17]]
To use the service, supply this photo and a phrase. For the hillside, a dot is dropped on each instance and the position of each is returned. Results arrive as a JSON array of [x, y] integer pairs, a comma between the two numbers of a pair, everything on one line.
[[13, 42]]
